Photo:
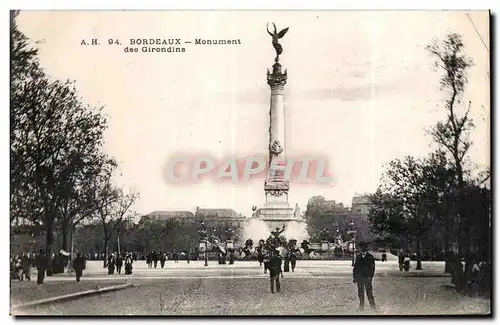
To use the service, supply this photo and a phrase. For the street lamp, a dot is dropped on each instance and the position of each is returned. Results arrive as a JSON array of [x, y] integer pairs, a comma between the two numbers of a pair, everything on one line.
[[352, 237], [230, 244], [204, 241]]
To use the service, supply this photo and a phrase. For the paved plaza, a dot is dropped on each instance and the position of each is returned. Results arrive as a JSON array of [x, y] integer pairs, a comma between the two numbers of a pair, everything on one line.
[[315, 288]]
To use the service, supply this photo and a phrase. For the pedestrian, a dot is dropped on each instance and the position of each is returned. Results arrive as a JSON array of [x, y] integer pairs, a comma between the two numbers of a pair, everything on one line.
[[260, 256], [363, 272], [155, 259], [293, 260], [128, 263], [407, 263], [149, 259], [384, 256], [119, 264], [19, 267], [41, 266], [401, 260], [79, 266], [275, 271], [286, 268], [111, 264], [266, 262], [163, 259], [26, 267]]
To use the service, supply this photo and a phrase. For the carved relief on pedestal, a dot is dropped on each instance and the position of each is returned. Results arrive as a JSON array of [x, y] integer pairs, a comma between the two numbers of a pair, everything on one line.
[[276, 189], [275, 148], [277, 193]]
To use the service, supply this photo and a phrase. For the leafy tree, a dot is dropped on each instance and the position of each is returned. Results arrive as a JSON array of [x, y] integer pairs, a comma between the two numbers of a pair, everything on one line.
[[55, 139], [410, 200], [386, 213]]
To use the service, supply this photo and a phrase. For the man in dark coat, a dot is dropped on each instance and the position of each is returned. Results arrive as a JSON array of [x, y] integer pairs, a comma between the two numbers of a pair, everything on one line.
[[275, 271], [42, 264], [163, 258], [286, 267], [155, 259], [293, 260], [149, 259], [266, 262], [111, 264], [364, 269], [119, 264], [401, 260], [26, 266], [79, 266]]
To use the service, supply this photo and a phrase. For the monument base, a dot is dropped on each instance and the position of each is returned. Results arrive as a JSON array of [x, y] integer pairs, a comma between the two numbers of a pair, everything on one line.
[[276, 217]]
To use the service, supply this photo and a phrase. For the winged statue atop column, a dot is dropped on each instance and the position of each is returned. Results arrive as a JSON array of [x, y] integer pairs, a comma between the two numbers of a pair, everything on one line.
[[276, 37]]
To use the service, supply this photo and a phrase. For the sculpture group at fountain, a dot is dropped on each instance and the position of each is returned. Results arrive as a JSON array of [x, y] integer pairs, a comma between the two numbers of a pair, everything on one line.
[[215, 245], [274, 240]]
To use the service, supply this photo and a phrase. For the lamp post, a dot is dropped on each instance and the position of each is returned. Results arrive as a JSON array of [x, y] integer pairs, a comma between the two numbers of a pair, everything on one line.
[[230, 245], [324, 241], [352, 237], [204, 241]]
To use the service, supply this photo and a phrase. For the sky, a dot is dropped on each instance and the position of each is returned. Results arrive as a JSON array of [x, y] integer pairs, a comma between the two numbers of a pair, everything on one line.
[[361, 91]]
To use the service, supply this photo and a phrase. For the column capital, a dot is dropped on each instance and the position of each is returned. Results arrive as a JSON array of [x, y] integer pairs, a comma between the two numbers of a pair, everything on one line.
[[276, 79]]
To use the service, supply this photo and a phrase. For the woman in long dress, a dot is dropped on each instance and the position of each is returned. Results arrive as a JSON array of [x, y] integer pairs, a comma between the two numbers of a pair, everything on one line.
[[128, 263]]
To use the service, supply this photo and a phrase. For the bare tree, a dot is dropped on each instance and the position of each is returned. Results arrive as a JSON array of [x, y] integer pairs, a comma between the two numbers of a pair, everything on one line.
[[453, 134], [112, 204]]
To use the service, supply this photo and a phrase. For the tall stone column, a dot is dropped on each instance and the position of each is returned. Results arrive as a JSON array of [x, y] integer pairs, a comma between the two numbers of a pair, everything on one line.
[[276, 186], [276, 212]]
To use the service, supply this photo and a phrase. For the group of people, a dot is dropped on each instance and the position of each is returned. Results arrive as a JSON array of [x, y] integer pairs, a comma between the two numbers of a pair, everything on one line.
[[404, 261], [290, 260], [20, 266], [153, 257], [116, 261], [102, 256], [273, 262], [363, 272], [473, 278]]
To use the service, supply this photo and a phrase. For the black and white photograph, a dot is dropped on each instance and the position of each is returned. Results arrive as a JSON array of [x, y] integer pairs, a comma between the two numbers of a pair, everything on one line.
[[250, 163]]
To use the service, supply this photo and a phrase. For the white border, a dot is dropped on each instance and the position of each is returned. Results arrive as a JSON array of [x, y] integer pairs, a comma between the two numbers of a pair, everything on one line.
[[197, 5]]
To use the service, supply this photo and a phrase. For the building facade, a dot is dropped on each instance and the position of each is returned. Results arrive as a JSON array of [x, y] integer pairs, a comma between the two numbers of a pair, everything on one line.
[[216, 221]]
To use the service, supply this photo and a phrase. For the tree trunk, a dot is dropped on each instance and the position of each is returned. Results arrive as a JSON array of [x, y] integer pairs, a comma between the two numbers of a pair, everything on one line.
[[106, 240], [48, 246], [65, 230], [49, 238], [419, 255]]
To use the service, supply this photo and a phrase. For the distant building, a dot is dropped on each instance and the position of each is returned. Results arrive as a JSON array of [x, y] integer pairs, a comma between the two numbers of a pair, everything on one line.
[[219, 219], [333, 216], [167, 215], [361, 205], [335, 208], [227, 216]]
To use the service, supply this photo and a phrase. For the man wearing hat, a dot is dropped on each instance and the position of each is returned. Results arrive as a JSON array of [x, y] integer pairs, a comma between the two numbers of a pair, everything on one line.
[[364, 269], [275, 271]]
